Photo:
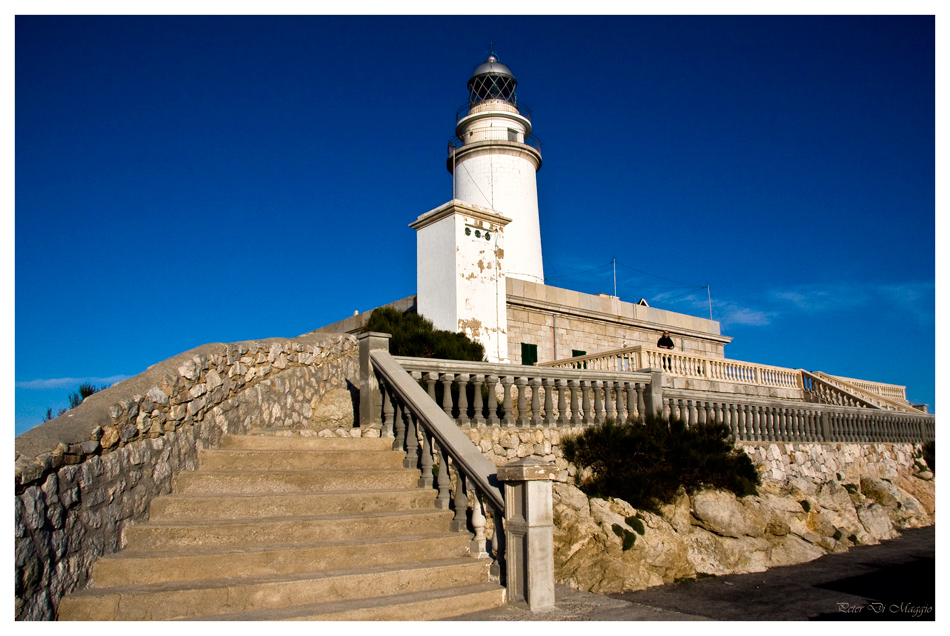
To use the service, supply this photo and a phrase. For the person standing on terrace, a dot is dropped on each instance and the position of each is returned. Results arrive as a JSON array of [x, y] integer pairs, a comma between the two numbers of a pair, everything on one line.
[[665, 342]]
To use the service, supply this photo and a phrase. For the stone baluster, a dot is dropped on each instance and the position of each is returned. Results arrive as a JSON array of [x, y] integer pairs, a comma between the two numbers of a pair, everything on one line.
[[431, 379], [521, 383], [536, 417], [477, 547], [641, 402], [478, 407], [693, 406], [585, 403], [770, 422], [729, 411], [609, 402], [388, 412], [425, 464], [795, 430], [563, 417], [549, 419], [575, 403], [492, 382], [752, 420], [443, 481], [463, 418], [779, 423], [412, 441], [596, 388], [447, 406], [460, 502], [400, 423], [667, 404], [507, 417]]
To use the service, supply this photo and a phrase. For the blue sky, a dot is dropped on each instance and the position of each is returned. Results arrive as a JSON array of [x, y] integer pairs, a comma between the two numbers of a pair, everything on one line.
[[184, 180]]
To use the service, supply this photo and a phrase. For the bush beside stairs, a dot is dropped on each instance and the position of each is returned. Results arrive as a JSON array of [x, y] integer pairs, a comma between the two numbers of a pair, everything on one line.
[[277, 527]]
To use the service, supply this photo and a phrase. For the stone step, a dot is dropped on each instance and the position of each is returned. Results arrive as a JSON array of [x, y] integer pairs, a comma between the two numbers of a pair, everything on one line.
[[143, 568], [236, 459], [183, 508], [428, 605], [228, 596], [296, 442], [275, 481], [282, 530]]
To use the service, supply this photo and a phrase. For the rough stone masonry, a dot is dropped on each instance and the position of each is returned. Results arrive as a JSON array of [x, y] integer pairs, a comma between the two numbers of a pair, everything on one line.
[[83, 476]]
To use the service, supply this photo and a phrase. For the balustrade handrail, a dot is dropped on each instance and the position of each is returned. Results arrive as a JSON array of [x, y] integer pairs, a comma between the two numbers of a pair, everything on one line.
[[688, 364], [897, 391], [514, 370], [754, 419], [477, 468], [868, 395], [811, 378]]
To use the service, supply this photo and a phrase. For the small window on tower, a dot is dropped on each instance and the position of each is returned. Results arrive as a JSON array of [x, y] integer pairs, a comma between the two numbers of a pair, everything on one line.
[[512, 134], [529, 353]]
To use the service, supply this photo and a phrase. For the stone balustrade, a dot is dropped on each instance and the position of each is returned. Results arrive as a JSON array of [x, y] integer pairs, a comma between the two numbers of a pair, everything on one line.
[[489, 394], [856, 388], [790, 421], [684, 364], [895, 392]]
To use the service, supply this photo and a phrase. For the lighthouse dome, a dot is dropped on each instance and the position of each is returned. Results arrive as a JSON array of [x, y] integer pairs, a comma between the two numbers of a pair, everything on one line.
[[492, 80]]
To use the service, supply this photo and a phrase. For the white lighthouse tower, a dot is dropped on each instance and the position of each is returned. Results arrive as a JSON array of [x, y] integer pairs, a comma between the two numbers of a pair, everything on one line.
[[493, 166], [466, 248]]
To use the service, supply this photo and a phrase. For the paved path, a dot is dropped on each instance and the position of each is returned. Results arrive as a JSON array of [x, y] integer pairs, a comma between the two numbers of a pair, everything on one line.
[[891, 581]]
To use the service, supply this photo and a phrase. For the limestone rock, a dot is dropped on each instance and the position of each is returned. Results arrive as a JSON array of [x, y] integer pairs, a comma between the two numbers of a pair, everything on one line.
[[903, 510], [335, 410], [677, 513], [790, 549], [875, 520], [920, 488], [710, 553], [720, 512]]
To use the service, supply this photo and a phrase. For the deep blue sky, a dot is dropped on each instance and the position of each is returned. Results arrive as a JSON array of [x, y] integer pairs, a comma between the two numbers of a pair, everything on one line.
[[210, 179]]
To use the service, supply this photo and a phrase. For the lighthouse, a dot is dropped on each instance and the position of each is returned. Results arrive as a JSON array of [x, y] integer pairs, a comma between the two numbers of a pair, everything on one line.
[[494, 167], [467, 248]]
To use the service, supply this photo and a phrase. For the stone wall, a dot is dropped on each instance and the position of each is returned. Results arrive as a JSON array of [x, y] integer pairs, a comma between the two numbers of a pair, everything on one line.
[[815, 499], [80, 478], [542, 315]]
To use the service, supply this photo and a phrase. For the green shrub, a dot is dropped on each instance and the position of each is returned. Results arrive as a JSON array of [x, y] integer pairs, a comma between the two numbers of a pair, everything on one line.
[[644, 464], [636, 524], [929, 451], [413, 335], [629, 539]]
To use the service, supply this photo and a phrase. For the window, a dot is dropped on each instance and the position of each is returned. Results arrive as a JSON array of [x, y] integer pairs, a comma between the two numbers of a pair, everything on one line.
[[529, 353], [512, 134], [575, 353]]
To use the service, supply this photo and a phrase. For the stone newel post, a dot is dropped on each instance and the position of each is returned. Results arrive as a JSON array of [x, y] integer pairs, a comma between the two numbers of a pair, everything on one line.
[[653, 396], [371, 400], [529, 532]]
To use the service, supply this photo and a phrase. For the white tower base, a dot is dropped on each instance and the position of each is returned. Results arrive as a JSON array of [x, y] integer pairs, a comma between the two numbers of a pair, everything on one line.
[[460, 280]]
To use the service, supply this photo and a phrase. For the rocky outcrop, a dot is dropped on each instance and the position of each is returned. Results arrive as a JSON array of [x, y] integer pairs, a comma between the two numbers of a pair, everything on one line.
[[606, 546]]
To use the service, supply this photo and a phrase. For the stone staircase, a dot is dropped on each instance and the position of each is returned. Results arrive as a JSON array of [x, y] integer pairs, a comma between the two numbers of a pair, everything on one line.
[[291, 528]]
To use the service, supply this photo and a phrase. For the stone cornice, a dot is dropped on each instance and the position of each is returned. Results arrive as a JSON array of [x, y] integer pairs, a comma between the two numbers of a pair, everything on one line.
[[557, 308], [457, 206]]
